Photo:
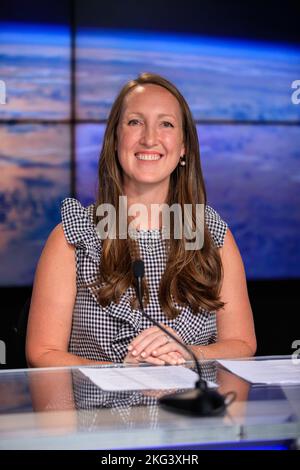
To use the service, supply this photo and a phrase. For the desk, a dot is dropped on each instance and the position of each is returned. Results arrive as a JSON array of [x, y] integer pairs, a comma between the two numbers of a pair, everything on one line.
[[59, 408]]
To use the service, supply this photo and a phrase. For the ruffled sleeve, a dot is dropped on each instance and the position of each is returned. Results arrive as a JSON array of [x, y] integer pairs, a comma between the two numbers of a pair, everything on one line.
[[79, 229], [216, 226]]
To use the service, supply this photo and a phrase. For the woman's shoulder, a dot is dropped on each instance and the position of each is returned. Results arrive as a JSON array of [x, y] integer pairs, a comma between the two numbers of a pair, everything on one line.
[[56, 241], [216, 226], [78, 222]]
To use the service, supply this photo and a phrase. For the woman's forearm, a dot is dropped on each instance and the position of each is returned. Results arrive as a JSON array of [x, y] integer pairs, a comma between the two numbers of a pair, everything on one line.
[[61, 358], [230, 348]]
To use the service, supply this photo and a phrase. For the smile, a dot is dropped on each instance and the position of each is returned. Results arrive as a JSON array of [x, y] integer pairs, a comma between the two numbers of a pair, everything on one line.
[[148, 157]]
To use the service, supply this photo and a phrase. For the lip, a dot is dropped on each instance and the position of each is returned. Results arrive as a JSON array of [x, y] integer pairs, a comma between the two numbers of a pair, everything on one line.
[[145, 152], [149, 161], [148, 152]]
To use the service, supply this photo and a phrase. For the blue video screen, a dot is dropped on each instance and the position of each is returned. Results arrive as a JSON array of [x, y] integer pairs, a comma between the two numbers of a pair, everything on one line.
[[34, 178], [221, 79], [252, 176], [239, 92], [35, 65]]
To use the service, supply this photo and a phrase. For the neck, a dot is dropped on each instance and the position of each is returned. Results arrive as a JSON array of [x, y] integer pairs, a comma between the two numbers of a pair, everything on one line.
[[148, 196]]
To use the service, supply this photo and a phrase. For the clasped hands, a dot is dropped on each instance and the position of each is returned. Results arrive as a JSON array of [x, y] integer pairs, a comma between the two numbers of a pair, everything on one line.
[[155, 347]]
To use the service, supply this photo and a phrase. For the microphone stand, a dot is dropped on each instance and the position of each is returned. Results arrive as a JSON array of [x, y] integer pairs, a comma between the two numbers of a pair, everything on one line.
[[199, 401]]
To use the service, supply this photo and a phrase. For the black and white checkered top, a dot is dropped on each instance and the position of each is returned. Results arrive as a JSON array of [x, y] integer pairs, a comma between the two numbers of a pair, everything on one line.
[[103, 333]]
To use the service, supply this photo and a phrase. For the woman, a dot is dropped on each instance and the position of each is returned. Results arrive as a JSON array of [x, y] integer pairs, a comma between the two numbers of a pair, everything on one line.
[[83, 307]]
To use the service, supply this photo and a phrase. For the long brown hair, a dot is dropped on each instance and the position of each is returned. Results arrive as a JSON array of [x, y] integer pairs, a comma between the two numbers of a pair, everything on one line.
[[191, 277]]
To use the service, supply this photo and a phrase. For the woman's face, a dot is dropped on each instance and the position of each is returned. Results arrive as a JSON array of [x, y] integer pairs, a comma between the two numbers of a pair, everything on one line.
[[149, 136]]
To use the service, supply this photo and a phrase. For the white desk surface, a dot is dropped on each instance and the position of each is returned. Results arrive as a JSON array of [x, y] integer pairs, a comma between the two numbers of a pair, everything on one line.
[[59, 408]]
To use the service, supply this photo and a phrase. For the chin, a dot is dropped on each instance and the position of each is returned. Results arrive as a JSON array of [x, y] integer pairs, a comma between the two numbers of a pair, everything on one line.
[[149, 181]]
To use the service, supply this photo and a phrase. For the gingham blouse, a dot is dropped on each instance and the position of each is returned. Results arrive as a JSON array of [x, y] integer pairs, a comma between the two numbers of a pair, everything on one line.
[[103, 333]]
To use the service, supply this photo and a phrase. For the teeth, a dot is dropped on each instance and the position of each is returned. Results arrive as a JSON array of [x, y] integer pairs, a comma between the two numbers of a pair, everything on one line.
[[142, 156]]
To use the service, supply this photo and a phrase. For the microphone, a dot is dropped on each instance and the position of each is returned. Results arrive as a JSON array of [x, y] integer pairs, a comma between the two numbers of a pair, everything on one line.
[[200, 401]]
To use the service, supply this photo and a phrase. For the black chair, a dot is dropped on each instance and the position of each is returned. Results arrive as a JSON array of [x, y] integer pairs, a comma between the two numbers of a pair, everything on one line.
[[19, 329]]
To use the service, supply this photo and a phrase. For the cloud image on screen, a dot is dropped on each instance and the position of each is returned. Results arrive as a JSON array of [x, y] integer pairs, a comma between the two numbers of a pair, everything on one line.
[[89, 138], [34, 178], [252, 175], [221, 79], [240, 96], [35, 66]]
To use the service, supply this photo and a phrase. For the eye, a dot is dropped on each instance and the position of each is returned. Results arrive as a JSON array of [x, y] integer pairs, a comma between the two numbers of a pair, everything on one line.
[[133, 122], [167, 124]]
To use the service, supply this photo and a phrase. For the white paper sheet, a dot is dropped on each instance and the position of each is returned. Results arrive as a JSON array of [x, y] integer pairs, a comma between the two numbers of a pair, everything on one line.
[[142, 378], [281, 371]]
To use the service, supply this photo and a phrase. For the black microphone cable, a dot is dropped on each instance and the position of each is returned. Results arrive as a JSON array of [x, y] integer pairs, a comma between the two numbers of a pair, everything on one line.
[[200, 401]]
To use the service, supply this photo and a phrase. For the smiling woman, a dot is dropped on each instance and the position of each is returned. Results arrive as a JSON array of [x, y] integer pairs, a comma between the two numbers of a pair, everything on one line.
[[84, 309], [149, 141]]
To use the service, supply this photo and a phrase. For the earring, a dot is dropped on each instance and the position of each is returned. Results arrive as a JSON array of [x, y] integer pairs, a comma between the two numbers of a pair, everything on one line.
[[182, 160]]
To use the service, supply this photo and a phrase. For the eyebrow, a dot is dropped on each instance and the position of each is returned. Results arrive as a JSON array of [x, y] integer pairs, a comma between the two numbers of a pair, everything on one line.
[[160, 115]]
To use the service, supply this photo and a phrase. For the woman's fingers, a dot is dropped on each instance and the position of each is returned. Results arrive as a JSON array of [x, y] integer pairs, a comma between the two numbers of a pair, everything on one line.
[[149, 340], [154, 360], [177, 357], [158, 341], [142, 340], [129, 359], [145, 343], [172, 359], [170, 347]]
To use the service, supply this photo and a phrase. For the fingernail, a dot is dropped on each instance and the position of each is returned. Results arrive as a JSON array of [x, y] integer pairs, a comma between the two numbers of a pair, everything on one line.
[[129, 348], [143, 354], [154, 353], [134, 353]]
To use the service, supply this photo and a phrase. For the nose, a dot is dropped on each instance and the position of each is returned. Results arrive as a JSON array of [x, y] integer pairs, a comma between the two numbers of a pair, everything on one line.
[[149, 136]]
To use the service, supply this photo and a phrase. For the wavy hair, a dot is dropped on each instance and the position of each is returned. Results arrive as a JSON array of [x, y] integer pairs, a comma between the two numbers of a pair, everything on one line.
[[191, 277]]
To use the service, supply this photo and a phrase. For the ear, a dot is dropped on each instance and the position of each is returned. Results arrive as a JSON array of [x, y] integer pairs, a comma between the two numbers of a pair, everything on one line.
[[182, 151]]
